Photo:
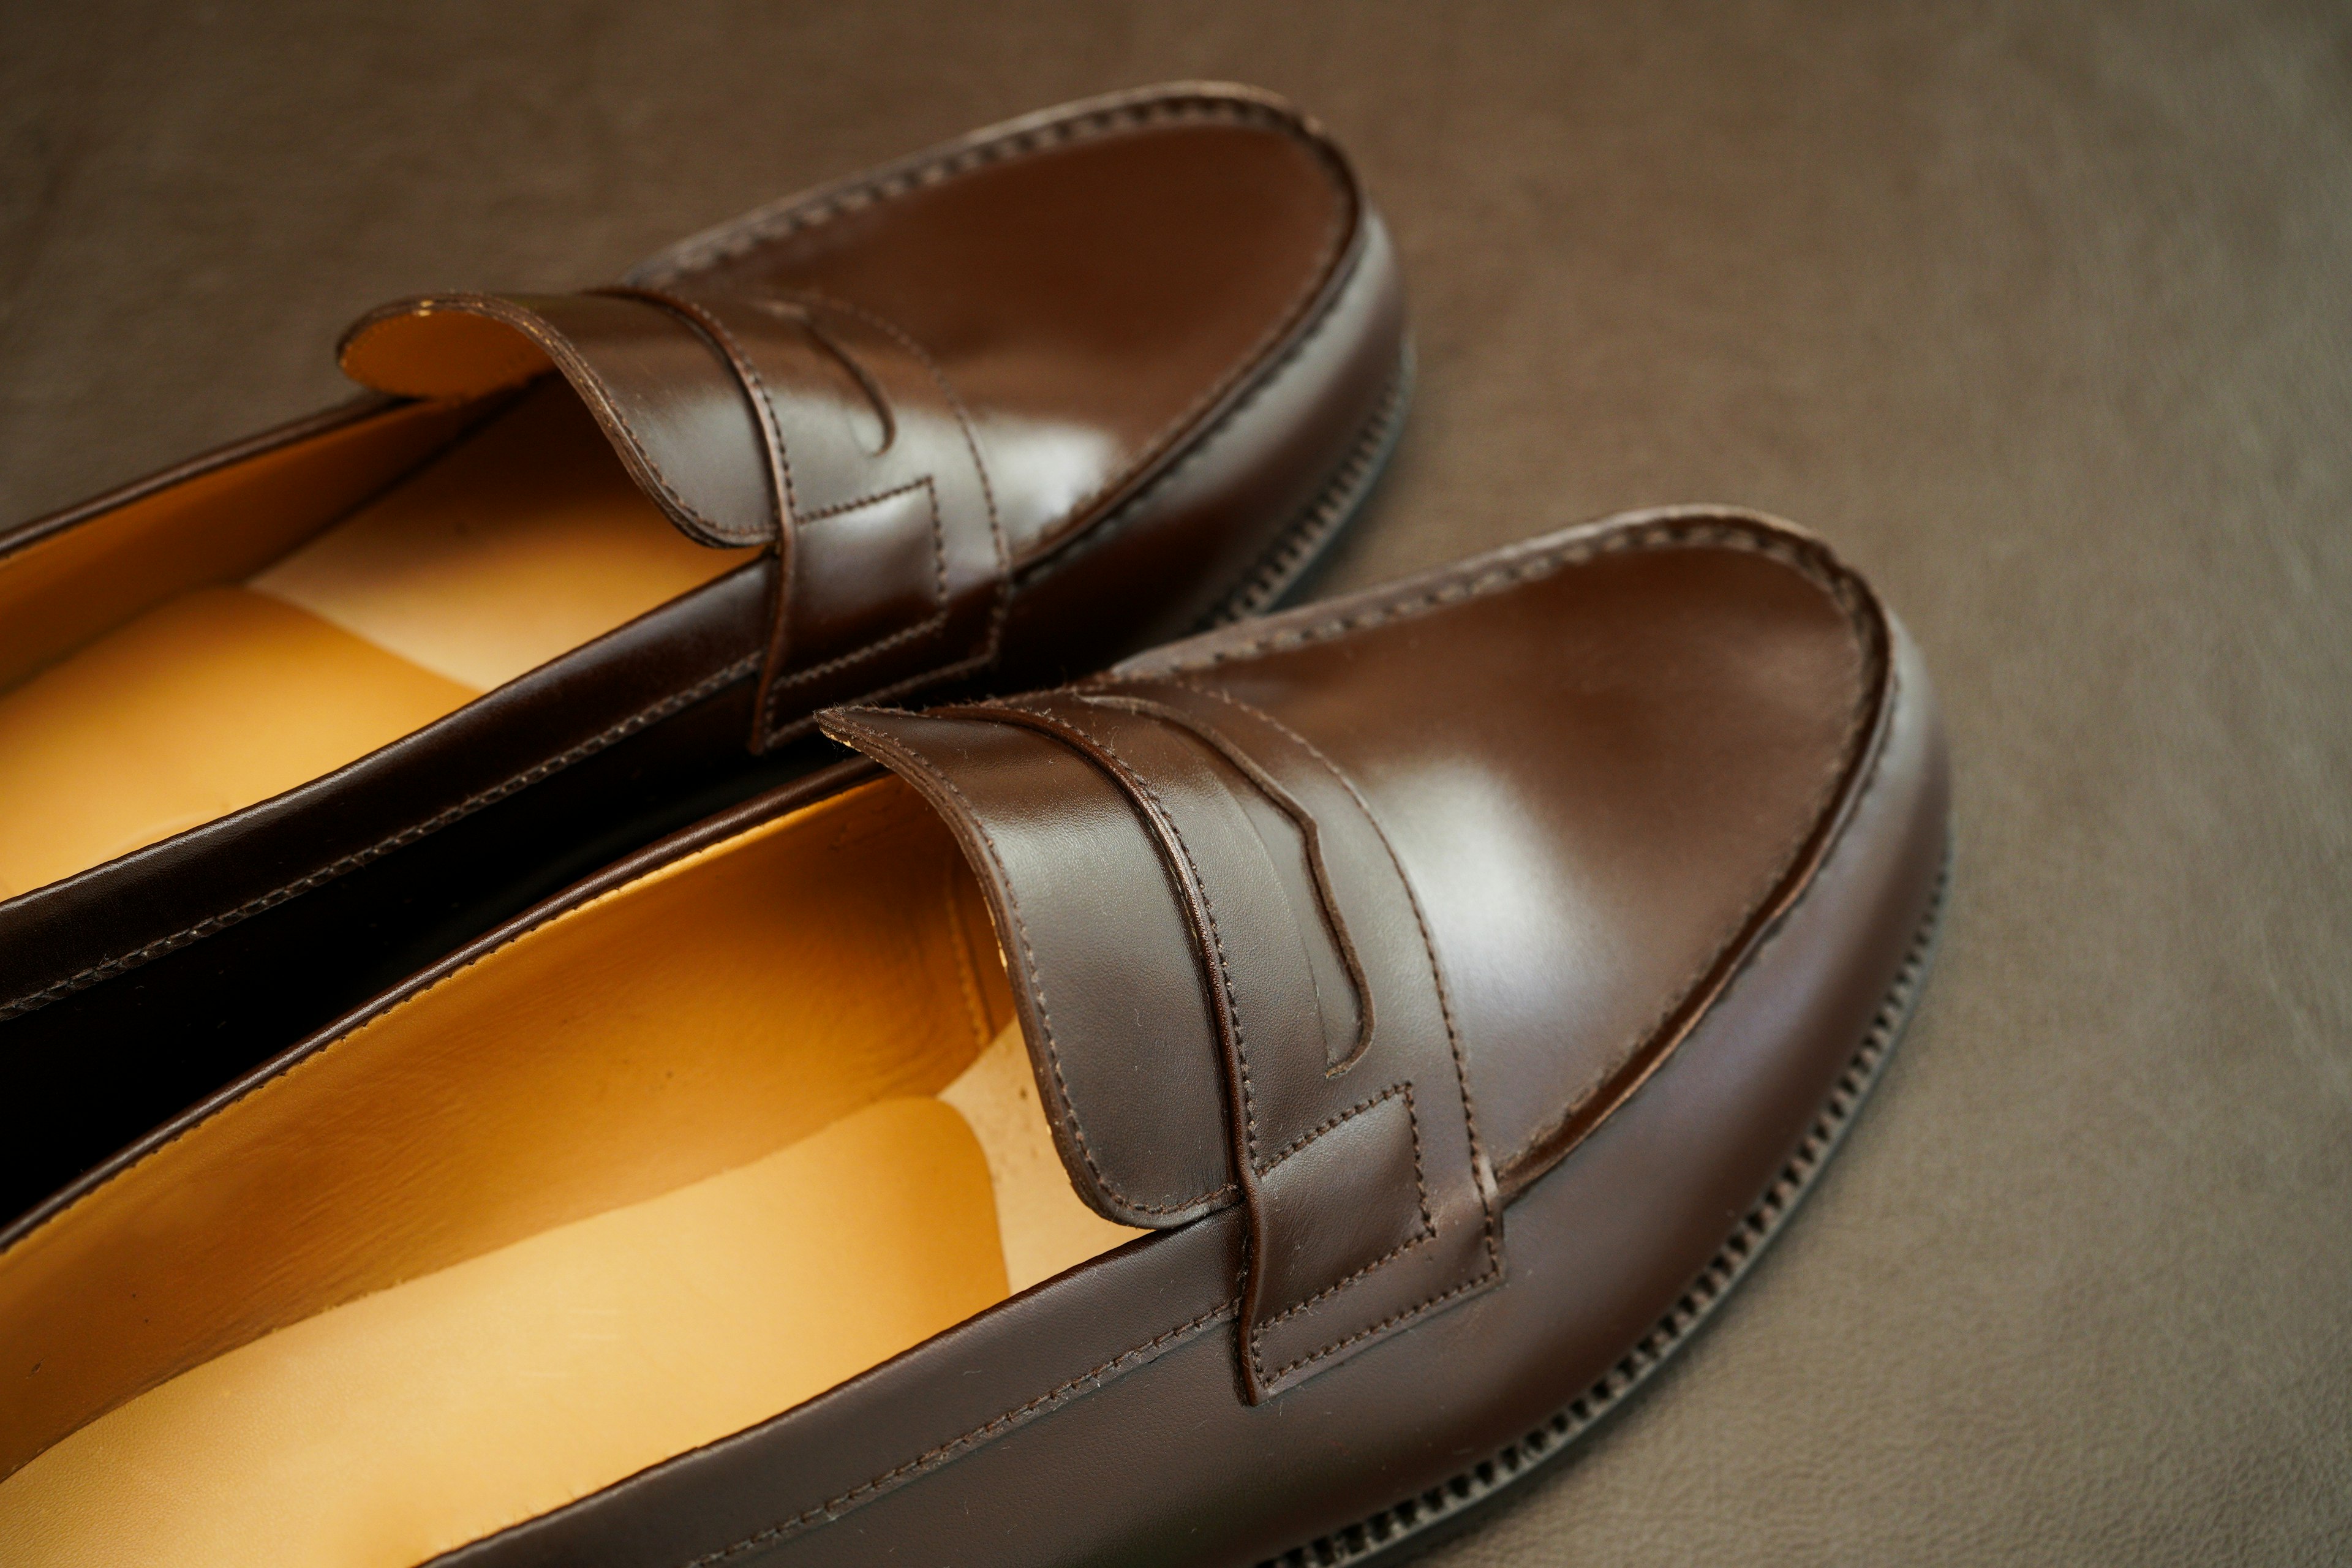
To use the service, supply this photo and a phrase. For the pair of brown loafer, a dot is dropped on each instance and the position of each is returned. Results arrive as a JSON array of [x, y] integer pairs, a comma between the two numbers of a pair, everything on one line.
[[1244, 1106]]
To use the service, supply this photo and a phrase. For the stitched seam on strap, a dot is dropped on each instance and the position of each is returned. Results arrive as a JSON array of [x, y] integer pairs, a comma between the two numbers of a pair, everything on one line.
[[702, 319], [1037, 993], [923, 628], [1429, 945], [859, 655], [955, 403], [1428, 1221], [593, 388], [1256, 1331], [644, 717], [1453, 1042], [559, 348], [939, 530], [995, 1427], [652, 472], [991, 644], [1708, 529], [1309, 830], [1332, 1124], [1393, 1320], [789, 500], [1208, 909]]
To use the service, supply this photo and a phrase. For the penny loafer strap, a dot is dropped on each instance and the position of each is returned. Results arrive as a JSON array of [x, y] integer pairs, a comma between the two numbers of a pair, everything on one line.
[[791, 421], [1217, 956]]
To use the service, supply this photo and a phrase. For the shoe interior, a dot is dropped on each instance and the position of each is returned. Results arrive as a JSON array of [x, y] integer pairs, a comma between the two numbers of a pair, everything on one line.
[[645, 1176], [155, 679]]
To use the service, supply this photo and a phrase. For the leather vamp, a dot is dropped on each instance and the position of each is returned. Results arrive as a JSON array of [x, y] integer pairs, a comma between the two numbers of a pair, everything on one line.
[[989, 254], [1365, 914], [1658, 725]]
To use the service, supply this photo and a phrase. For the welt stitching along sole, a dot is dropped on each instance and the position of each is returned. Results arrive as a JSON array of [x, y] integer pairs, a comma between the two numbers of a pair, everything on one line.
[[1278, 571], [1424, 1519]]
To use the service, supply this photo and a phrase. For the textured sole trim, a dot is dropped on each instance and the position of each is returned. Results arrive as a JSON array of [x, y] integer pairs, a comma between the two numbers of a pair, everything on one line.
[[1423, 1518], [1301, 544]]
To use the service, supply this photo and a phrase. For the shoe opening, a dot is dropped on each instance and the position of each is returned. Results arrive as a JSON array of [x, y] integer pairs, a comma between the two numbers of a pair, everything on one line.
[[657, 1170]]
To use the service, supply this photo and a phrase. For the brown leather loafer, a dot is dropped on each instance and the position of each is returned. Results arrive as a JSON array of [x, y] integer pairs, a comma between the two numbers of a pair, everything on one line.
[[1246, 1107], [318, 707]]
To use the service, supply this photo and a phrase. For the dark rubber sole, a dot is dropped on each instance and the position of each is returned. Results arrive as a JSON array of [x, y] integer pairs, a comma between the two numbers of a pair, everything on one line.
[[1281, 569], [1429, 1517]]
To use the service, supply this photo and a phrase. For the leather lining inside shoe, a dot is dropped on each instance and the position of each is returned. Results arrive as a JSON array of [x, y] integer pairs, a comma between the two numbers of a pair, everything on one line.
[[521, 541], [209, 702], [657, 1170]]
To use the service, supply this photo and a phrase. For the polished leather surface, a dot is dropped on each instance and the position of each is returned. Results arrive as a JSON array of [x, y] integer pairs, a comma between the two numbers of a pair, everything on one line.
[[796, 422], [1306, 980], [1669, 794], [2035, 311], [918, 385]]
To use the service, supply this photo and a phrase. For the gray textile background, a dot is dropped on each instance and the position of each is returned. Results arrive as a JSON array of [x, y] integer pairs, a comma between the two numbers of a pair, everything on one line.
[[2042, 315]]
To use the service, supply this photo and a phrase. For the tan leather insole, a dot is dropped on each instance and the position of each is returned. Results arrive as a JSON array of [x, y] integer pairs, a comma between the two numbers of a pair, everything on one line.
[[205, 704], [390, 1429], [522, 542], [663, 1167]]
